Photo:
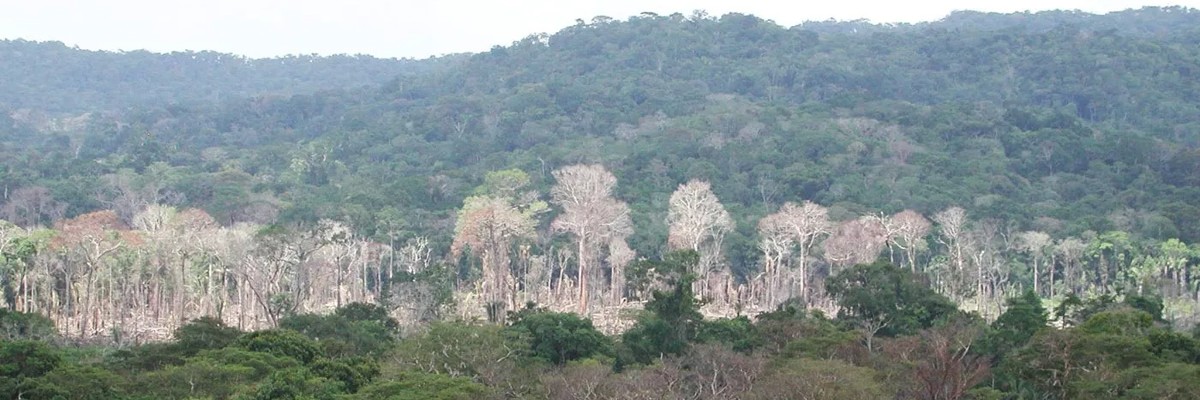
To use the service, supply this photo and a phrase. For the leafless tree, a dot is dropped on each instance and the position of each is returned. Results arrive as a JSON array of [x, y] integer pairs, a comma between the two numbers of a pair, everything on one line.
[[1035, 243], [855, 241], [590, 213], [911, 228], [87, 240], [32, 206], [775, 242], [952, 225], [1071, 252], [697, 221]]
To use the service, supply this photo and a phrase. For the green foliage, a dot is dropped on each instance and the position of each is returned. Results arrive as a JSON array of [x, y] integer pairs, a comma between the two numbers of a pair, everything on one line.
[[74, 382], [1174, 346], [1172, 381], [422, 386], [25, 326], [23, 360], [27, 359], [364, 312], [204, 333], [459, 348], [816, 378], [673, 267], [891, 297], [294, 384], [559, 337], [738, 333], [199, 377], [1023, 317], [261, 364], [352, 373], [671, 321], [55, 77], [354, 330], [280, 342]]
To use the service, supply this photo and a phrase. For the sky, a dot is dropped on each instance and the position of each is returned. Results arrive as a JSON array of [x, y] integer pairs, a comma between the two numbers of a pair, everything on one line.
[[419, 29]]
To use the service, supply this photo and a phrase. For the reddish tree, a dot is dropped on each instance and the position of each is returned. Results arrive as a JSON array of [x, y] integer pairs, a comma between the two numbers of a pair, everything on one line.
[[856, 241], [488, 226]]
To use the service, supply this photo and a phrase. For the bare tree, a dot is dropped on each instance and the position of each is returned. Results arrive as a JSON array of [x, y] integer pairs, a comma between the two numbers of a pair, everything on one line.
[[32, 206], [87, 240], [855, 241], [946, 367], [1035, 244], [1071, 251], [952, 234], [775, 242], [806, 223], [697, 221], [619, 256], [127, 194], [911, 228], [952, 225], [590, 213]]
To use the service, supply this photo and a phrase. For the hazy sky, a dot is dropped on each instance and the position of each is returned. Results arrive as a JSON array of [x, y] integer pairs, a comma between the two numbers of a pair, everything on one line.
[[262, 28]]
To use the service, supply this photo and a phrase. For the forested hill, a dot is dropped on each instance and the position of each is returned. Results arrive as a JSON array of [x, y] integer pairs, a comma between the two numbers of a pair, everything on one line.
[[51, 77], [903, 210], [1050, 121]]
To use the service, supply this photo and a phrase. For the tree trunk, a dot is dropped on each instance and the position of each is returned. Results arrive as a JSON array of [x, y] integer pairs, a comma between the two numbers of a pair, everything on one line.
[[804, 271], [583, 295], [1036, 277]]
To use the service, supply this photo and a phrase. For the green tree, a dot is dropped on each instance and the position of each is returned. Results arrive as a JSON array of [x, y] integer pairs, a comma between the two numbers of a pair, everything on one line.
[[560, 337], [893, 299], [1023, 317], [72, 381], [671, 321], [25, 326], [280, 342], [204, 333], [341, 336], [23, 360], [422, 386], [295, 384]]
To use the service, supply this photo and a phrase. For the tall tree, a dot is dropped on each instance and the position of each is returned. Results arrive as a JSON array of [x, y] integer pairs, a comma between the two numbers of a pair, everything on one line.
[[856, 241], [87, 240], [1035, 243], [804, 225], [488, 226], [590, 213], [911, 228], [775, 242], [697, 221]]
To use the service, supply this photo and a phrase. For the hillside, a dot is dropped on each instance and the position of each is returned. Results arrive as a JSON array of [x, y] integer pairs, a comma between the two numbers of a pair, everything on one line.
[[1083, 123], [668, 206], [1016, 123]]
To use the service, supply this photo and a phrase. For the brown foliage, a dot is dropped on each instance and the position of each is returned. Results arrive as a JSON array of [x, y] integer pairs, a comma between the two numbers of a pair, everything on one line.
[[855, 241], [30, 206]]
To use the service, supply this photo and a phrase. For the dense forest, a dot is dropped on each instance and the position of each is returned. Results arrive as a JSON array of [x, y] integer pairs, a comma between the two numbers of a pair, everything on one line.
[[667, 206]]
